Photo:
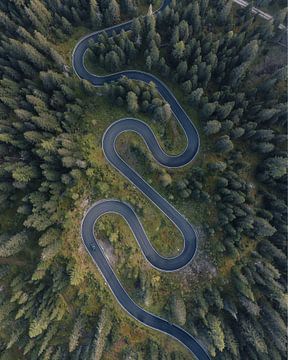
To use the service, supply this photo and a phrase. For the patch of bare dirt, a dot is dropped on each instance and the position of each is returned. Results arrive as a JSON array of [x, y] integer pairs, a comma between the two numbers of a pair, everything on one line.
[[201, 267], [108, 251]]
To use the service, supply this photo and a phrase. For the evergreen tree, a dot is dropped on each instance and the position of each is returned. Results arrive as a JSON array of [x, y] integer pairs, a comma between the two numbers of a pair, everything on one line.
[[216, 332], [104, 327], [76, 334], [112, 13], [12, 245], [212, 127], [132, 102], [166, 112], [96, 17], [224, 144]]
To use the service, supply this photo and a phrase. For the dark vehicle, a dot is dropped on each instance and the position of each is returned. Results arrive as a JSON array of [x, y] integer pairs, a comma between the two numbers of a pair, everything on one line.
[[93, 247]]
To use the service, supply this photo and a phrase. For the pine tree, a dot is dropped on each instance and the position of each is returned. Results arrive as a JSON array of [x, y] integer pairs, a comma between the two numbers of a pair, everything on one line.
[[224, 144], [154, 53], [216, 332], [231, 342], [76, 334], [274, 168], [12, 245], [165, 179], [208, 110], [263, 228], [195, 17], [179, 49], [178, 310], [95, 15], [224, 110], [253, 337], [166, 112], [39, 324], [183, 31], [132, 102], [112, 61], [196, 96], [153, 351], [136, 29], [182, 69], [49, 335], [112, 13], [104, 327], [212, 127], [249, 52], [24, 173]]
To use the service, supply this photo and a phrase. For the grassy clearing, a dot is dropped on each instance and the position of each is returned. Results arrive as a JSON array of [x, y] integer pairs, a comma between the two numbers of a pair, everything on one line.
[[66, 48], [117, 186], [162, 233]]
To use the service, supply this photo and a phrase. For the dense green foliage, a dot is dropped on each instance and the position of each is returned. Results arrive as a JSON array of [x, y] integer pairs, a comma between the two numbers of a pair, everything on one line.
[[53, 303]]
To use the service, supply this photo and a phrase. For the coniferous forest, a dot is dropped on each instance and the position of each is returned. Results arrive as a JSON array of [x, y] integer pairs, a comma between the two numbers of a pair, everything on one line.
[[227, 67]]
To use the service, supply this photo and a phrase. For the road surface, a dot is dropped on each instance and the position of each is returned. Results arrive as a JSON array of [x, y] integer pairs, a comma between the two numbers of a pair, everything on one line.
[[259, 12], [124, 209]]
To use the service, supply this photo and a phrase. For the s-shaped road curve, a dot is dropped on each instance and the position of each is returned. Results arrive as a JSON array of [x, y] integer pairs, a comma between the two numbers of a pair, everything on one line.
[[124, 209]]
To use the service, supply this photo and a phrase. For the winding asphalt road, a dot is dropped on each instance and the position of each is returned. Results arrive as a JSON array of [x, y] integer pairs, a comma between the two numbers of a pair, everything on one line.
[[124, 209]]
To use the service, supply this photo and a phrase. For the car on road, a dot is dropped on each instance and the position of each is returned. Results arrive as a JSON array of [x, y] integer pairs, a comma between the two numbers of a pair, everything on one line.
[[93, 247]]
